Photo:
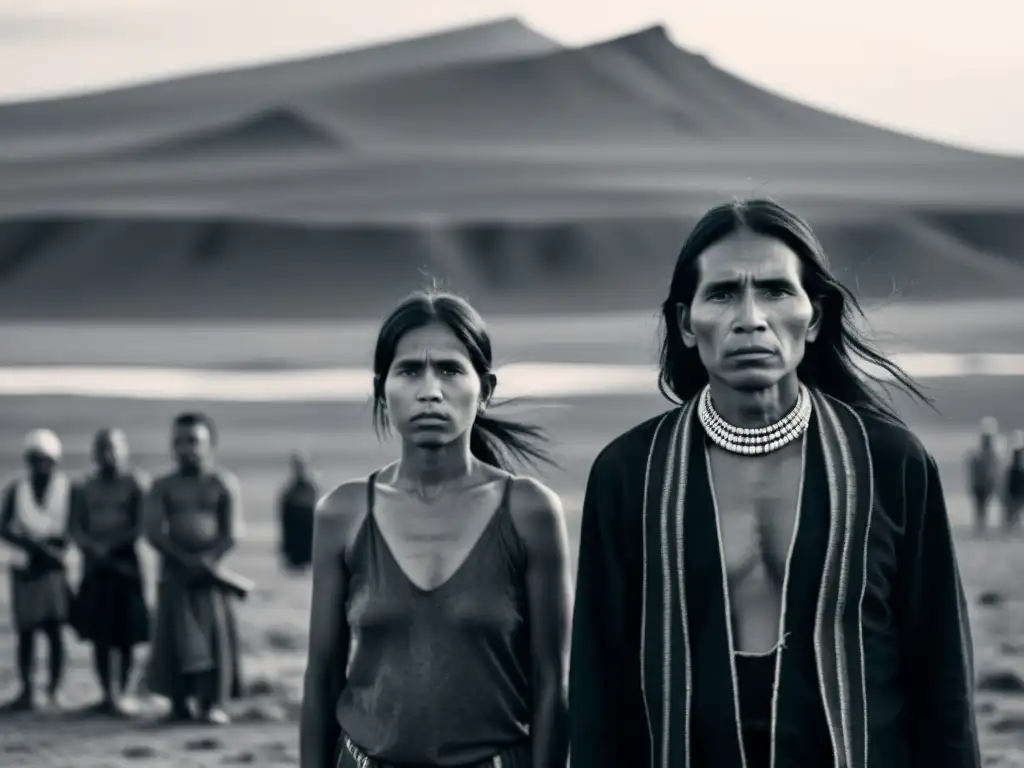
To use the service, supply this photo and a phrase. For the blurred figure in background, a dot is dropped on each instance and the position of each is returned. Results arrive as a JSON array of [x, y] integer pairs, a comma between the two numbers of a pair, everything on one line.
[[439, 633], [297, 502], [1014, 490], [193, 517], [984, 471], [34, 519], [106, 523]]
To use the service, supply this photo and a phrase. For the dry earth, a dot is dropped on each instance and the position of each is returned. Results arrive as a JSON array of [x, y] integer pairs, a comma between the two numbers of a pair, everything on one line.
[[256, 440]]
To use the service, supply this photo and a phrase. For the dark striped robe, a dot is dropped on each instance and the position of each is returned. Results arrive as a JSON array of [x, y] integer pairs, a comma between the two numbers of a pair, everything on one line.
[[877, 666]]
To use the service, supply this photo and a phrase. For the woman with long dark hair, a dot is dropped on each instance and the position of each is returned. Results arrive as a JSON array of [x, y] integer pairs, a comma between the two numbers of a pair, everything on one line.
[[440, 612], [766, 573]]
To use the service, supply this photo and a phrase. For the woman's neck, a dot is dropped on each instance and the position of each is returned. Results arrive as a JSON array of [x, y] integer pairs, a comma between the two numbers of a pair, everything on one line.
[[426, 468]]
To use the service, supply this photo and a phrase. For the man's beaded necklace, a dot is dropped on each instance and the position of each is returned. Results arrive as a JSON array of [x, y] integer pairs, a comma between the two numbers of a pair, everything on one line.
[[759, 440]]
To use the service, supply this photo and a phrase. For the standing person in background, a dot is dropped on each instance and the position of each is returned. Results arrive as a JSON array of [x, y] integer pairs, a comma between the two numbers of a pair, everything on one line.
[[984, 471], [297, 503], [1014, 483], [439, 625], [106, 523], [33, 520], [193, 517], [767, 575]]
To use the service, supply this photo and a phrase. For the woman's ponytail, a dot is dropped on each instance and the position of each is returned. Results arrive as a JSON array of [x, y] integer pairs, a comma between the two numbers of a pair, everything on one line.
[[502, 442]]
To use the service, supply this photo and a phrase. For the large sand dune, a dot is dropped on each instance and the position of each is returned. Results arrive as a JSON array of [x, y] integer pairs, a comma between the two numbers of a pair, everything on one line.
[[490, 156]]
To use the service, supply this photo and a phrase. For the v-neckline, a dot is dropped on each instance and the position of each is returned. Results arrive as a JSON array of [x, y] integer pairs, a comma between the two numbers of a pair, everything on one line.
[[424, 591]]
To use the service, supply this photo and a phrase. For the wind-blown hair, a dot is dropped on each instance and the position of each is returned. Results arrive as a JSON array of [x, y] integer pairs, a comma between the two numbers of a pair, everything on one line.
[[498, 442], [838, 363]]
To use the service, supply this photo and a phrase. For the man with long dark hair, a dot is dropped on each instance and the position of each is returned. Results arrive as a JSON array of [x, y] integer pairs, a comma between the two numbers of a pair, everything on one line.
[[766, 573]]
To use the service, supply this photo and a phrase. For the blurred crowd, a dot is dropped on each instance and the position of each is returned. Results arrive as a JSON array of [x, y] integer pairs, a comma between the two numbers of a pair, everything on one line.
[[192, 516], [995, 475]]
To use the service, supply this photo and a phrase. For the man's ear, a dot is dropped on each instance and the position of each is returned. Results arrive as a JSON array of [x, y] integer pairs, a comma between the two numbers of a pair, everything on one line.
[[683, 324], [815, 327]]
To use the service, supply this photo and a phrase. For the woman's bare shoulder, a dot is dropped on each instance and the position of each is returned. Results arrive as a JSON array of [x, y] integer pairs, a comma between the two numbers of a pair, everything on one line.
[[340, 513], [536, 511]]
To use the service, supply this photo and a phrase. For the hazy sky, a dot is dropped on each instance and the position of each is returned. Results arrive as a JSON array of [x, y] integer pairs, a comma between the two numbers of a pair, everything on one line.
[[953, 71]]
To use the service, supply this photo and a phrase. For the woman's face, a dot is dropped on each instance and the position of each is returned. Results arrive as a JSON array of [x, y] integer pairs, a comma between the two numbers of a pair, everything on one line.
[[431, 391]]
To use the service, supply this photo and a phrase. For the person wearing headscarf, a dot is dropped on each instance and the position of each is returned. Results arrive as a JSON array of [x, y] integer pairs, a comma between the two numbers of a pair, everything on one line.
[[33, 522]]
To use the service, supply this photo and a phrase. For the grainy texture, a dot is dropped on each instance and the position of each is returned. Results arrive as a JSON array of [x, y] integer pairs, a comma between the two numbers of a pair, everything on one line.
[[256, 443]]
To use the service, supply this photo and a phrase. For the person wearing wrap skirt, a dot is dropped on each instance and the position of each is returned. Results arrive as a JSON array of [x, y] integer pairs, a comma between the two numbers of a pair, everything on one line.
[[110, 609], [193, 516], [33, 518]]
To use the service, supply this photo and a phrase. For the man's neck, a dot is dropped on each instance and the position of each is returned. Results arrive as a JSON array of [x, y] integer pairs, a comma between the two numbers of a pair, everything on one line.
[[758, 408]]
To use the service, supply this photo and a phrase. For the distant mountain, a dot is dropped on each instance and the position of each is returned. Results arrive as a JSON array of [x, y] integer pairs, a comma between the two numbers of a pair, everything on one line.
[[488, 155], [287, 129], [111, 120]]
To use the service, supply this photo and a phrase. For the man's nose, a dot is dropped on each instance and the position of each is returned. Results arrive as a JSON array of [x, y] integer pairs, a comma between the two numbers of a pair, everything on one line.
[[750, 317]]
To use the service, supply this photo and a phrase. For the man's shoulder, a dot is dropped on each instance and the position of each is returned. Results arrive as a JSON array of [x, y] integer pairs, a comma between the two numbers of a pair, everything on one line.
[[891, 442], [163, 479], [633, 445], [139, 479], [227, 480]]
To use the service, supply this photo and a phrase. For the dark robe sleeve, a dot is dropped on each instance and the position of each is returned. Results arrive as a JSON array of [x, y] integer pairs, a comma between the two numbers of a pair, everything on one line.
[[937, 631], [608, 727]]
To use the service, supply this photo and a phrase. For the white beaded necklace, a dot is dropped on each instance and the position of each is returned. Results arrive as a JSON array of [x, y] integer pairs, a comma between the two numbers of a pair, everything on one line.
[[758, 440]]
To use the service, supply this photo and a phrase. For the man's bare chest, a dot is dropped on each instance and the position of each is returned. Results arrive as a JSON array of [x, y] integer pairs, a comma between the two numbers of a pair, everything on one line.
[[108, 507], [757, 507]]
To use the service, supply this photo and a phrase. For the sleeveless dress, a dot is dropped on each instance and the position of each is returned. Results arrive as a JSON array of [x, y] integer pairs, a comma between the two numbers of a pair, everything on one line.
[[437, 678]]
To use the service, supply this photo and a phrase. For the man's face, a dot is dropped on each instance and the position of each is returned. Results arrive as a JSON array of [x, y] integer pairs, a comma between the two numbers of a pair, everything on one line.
[[39, 465], [300, 467], [193, 445], [111, 450], [750, 317]]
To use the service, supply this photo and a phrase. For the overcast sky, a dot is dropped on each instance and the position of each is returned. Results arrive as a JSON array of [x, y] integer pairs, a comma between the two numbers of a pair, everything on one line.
[[953, 71]]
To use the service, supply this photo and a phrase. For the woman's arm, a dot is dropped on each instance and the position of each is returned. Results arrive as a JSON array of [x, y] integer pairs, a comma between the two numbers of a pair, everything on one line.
[[336, 516], [541, 525]]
